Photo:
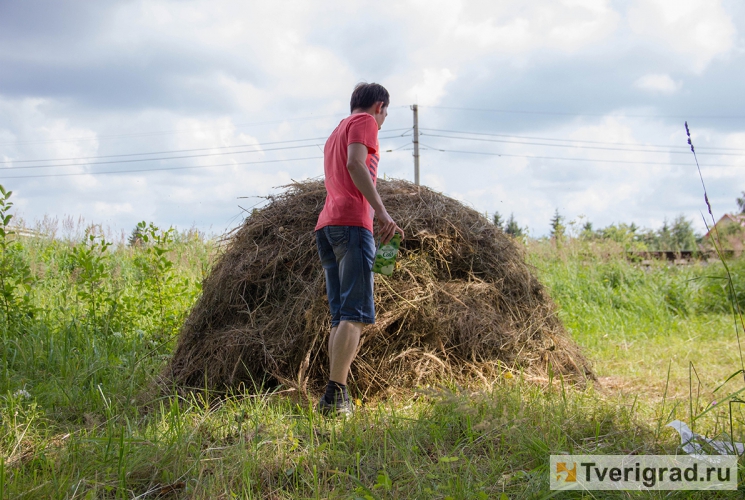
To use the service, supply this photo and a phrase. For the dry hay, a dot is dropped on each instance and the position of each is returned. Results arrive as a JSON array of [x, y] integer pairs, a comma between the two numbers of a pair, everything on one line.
[[461, 304]]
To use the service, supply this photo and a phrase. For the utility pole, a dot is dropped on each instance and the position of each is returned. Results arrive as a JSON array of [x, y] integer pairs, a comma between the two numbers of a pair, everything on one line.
[[415, 139]]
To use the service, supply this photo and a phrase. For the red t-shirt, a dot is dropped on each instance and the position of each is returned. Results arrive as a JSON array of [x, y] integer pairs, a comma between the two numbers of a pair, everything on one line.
[[345, 205]]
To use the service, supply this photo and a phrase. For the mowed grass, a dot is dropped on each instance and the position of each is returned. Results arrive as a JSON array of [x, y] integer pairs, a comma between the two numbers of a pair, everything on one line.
[[79, 418]]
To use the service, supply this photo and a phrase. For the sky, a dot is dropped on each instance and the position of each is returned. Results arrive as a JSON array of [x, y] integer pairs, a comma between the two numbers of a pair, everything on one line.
[[187, 113]]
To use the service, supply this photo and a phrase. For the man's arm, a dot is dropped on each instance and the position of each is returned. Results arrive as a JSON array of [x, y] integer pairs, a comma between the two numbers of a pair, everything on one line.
[[356, 156]]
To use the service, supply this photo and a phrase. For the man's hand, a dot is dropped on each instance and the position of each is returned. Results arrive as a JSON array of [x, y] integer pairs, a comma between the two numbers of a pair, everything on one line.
[[387, 227], [356, 156]]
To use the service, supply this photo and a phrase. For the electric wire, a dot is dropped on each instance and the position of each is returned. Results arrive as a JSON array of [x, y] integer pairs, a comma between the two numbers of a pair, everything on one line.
[[575, 140], [160, 168], [196, 149], [570, 146], [138, 160], [172, 131], [124, 155], [629, 162]]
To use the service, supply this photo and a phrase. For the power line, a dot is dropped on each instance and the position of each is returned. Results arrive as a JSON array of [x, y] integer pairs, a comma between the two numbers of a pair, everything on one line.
[[630, 162], [570, 146], [160, 152], [169, 132], [159, 169], [137, 160], [579, 140], [192, 150], [559, 113]]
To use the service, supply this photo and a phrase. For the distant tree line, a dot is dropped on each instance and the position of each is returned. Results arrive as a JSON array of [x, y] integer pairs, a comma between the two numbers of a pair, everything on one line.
[[510, 227], [674, 236]]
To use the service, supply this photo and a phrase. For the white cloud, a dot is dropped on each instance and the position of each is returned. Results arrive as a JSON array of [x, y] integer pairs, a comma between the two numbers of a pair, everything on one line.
[[430, 90], [523, 26], [261, 41], [225, 72], [697, 30], [44, 137], [107, 210], [658, 83]]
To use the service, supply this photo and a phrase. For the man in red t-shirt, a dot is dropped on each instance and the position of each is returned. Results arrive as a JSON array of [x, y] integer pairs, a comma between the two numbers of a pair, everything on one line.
[[344, 233]]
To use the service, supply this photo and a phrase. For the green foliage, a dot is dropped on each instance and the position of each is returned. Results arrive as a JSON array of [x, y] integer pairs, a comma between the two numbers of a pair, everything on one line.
[[160, 287], [78, 419], [668, 238], [513, 228], [717, 293], [15, 274], [91, 271], [558, 229], [624, 234], [98, 315], [497, 220], [678, 237], [135, 238], [587, 232], [596, 291]]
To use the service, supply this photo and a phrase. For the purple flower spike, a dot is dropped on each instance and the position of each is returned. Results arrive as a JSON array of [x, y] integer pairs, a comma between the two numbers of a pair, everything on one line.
[[689, 138], [706, 196]]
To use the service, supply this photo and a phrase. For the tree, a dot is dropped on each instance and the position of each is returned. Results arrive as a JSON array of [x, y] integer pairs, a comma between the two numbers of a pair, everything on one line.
[[682, 236], [512, 228], [664, 237], [588, 232], [557, 226], [622, 233], [741, 203], [135, 238], [497, 219]]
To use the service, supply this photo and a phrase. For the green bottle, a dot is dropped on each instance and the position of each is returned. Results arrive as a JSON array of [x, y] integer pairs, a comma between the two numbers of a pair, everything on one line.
[[385, 256]]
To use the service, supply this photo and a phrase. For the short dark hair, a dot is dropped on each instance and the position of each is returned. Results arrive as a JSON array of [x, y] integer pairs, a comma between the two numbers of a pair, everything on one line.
[[367, 94]]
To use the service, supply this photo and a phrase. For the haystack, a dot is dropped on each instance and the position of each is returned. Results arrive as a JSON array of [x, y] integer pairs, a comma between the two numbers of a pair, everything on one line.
[[462, 304]]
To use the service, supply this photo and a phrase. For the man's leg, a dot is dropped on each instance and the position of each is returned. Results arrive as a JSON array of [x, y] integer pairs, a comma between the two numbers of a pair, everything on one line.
[[331, 342], [331, 270], [351, 275], [342, 349]]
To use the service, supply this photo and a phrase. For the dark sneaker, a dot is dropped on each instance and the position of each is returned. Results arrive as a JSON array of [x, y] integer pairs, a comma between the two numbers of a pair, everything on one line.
[[342, 407]]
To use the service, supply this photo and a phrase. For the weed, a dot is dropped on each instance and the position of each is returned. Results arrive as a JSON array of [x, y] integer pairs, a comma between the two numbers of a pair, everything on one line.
[[15, 274], [90, 263], [72, 424]]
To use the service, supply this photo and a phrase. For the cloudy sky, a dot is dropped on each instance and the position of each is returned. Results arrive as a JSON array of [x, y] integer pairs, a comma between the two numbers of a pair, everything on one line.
[[182, 112]]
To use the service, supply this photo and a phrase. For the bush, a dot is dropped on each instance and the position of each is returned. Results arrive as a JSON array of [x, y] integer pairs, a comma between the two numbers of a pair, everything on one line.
[[15, 274]]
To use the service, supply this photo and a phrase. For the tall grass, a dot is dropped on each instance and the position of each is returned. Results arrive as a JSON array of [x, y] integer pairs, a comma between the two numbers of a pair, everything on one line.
[[76, 420], [732, 397]]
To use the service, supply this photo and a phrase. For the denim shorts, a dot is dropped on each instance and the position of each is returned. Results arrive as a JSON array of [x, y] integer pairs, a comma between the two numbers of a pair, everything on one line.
[[347, 254]]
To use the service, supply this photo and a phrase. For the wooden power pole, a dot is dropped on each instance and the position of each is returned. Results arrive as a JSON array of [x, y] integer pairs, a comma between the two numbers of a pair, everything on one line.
[[415, 139]]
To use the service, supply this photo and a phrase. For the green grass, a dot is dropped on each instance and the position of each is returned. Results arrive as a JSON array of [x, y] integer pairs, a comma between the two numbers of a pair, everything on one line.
[[633, 319], [78, 418]]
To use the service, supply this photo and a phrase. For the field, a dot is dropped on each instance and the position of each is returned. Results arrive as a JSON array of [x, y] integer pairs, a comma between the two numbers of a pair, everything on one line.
[[87, 326]]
